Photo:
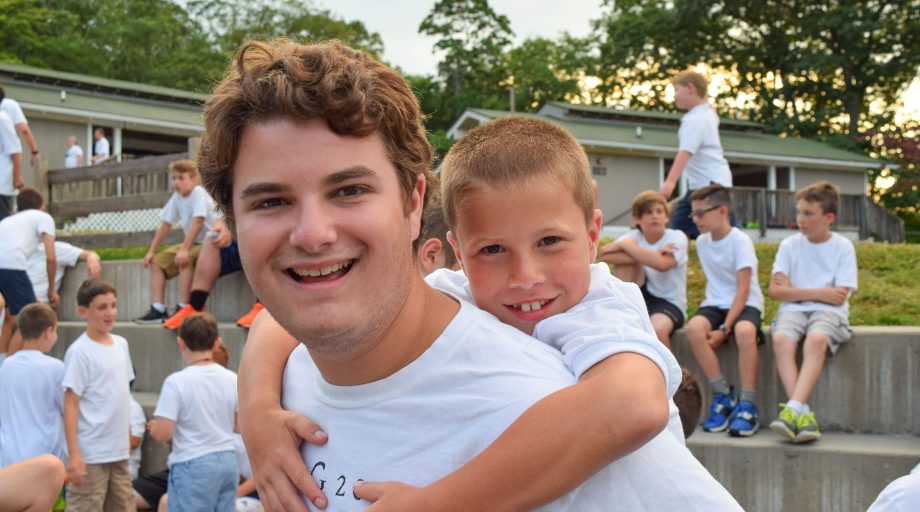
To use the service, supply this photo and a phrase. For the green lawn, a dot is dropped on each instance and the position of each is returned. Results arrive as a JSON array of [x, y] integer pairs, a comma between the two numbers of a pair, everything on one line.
[[889, 275]]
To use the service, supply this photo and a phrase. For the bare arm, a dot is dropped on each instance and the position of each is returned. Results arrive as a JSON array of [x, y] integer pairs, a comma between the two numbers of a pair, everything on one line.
[[579, 430], [135, 441], [271, 434], [743, 278], [677, 168], [191, 234], [781, 289], [51, 267], [614, 254], [76, 468], [79, 160], [158, 237], [93, 263], [658, 260], [161, 429], [17, 170], [26, 133]]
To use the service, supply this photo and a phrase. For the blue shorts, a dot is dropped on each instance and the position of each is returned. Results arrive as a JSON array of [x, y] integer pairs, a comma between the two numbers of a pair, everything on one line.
[[16, 289], [230, 259], [208, 482]]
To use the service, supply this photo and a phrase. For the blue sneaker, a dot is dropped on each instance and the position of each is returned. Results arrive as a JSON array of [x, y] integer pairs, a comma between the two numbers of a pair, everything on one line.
[[745, 420], [720, 411]]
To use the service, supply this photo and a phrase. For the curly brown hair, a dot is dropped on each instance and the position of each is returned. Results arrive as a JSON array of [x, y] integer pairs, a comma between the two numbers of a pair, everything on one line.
[[280, 79]]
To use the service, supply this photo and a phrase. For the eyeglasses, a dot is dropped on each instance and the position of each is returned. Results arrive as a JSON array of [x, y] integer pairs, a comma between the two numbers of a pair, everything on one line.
[[699, 213]]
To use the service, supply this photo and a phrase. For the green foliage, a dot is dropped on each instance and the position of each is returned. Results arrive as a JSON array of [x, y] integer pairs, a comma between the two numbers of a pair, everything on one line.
[[121, 253]]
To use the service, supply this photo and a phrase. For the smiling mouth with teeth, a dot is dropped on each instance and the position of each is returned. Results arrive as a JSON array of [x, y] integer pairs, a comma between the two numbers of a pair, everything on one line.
[[325, 272], [527, 307]]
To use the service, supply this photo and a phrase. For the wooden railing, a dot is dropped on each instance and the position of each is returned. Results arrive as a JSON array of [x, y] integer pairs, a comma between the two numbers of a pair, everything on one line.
[[132, 185], [776, 209]]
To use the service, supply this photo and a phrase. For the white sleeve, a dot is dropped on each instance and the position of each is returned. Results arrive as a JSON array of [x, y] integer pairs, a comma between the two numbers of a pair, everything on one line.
[[745, 257], [847, 272], [170, 213], [45, 225], [138, 419], [12, 108], [690, 134], [129, 366], [781, 263], [67, 255], [202, 206], [168, 403], [608, 323], [78, 151], [451, 282], [679, 239], [75, 372], [9, 141]]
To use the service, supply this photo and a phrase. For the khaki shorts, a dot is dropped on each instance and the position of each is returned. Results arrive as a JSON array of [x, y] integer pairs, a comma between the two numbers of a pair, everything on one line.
[[798, 324], [106, 487], [167, 259]]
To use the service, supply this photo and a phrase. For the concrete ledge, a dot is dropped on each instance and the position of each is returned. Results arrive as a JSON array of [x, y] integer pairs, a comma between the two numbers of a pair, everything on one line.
[[154, 351], [872, 384], [838, 472], [230, 299]]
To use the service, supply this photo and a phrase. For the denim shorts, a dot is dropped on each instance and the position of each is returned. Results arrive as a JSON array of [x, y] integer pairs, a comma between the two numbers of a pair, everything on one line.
[[208, 482]]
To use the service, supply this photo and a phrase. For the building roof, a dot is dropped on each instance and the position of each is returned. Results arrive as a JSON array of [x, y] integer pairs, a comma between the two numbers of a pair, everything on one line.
[[604, 134], [103, 100]]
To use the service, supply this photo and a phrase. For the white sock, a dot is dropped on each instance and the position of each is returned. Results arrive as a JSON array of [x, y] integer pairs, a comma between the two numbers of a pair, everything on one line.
[[159, 306], [797, 407]]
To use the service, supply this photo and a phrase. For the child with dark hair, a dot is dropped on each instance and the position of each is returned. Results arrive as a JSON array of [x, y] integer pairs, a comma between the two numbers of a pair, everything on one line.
[[31, 401], [97, 406], [197, 412]]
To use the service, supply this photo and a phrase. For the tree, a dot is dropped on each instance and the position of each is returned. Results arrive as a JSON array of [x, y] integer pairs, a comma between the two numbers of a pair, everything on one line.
[[545, 70], [809, 67], [474, 38]]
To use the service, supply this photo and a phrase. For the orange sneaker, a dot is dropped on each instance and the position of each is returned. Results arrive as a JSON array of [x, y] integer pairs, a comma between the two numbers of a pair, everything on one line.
[[175, 321], [245, 321]]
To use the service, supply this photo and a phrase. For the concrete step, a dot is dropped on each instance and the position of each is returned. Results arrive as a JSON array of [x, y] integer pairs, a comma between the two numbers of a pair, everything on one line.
[[154, 350], [872, 384], [839, 472], [230, 299]]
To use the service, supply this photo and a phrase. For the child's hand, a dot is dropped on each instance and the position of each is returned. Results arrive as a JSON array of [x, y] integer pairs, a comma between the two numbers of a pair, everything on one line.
[[53, 298], [182, 258], [395, 496], [780, 279], [668, 249], [716, 337], [76, 469], [273, 446], [148, 258], [835, 296]]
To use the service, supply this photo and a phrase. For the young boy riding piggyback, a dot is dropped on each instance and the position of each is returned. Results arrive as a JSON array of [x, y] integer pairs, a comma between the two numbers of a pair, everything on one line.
[[518, 200]]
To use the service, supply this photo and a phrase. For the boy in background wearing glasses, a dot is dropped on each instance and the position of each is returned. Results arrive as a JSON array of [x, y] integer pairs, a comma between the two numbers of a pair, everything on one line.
[[732, 308]]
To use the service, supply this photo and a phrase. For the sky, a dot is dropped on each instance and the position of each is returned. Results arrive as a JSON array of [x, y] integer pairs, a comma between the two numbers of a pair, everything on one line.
[[397, 23]]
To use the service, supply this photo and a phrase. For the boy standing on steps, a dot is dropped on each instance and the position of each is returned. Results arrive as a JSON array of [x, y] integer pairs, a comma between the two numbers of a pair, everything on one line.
[[813, 275], [97, 407], [733, 306], [194, 208]]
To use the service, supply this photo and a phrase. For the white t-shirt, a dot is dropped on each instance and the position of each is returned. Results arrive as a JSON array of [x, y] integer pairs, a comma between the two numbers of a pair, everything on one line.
[[70, 157], [9, 145], [184, 209], [12, 109], [20, 236], [699, 135], [31, 405], [101, 148], [610, 319], [100, 375], [66, 256], [901, 495], [670, 285], [138, 428], [825, 265], [442, 409], [202, 401], [721, 262]]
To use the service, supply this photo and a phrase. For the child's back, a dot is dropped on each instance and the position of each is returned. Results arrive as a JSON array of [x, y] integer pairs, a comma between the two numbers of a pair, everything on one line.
[[31, 404], [202, 400]]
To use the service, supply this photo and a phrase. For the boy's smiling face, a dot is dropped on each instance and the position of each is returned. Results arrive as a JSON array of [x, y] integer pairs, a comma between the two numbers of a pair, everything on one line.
[[101, 313], [526, 251]]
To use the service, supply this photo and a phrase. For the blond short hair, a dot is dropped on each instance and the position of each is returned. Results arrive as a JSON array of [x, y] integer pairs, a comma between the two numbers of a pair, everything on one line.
[[184, 167], [515, 151], [689, 77], [822, 192]]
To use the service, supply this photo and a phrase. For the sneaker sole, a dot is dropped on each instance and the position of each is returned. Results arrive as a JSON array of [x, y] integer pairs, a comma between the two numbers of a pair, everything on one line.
[[806, 437], [720, 428], [780, 428], [743, 433], [150, 322]]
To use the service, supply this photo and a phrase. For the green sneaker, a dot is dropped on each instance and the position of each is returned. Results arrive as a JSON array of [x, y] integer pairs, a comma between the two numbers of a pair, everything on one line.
[[807, 427], [786, 424]]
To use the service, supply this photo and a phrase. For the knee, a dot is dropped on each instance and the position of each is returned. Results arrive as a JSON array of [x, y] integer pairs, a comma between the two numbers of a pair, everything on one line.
[[782, 344], [815, 343], [745, 334], [696, 330], [51, 468]]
